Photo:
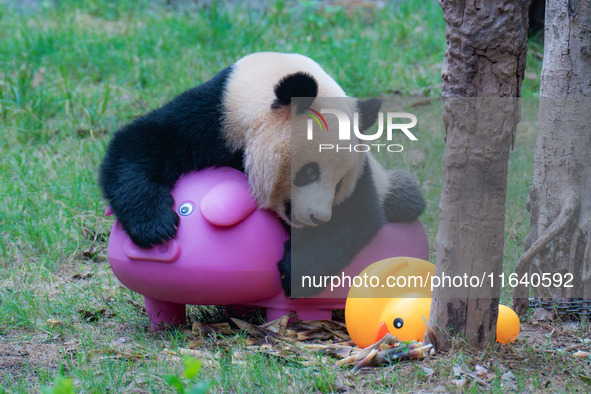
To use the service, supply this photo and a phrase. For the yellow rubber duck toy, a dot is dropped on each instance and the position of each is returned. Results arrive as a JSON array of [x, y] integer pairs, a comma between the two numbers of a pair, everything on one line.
[[392, 300]]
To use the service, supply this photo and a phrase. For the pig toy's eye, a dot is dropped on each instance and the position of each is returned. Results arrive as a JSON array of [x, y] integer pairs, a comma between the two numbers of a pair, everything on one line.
[[185, 209]]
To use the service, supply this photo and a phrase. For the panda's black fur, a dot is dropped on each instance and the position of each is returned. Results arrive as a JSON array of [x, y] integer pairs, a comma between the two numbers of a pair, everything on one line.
[[147, 156], [299, 84], [321, 250]]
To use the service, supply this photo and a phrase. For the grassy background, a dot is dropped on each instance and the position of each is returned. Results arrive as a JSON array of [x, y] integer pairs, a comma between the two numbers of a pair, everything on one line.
[[71, 73]]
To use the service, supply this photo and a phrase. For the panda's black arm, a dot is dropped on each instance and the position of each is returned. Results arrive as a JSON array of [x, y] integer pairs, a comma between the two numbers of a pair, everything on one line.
[[142, 205], [328, 248], [327, 254], [146, 157]]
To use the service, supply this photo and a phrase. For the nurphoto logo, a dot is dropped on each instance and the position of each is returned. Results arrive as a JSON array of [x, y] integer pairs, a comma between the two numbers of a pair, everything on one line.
[[393, 123]]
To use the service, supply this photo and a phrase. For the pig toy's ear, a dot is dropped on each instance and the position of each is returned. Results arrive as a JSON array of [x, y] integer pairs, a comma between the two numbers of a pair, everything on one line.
[[227, 204], [109, 211]]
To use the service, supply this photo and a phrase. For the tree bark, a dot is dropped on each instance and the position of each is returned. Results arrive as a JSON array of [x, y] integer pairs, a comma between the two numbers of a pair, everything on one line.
[[559, 202], [482, 73]]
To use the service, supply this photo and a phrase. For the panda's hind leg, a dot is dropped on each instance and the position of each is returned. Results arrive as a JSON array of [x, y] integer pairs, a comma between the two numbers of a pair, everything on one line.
[[403, 201]]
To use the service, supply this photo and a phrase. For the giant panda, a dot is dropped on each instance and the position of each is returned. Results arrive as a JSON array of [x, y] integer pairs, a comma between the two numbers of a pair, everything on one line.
[[243, 118]]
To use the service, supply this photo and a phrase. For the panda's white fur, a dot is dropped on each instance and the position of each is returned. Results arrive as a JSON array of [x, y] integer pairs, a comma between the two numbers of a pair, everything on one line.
[[265, 134]]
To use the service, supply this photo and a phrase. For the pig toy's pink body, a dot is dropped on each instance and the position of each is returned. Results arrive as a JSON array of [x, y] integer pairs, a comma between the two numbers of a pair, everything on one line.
[[226, 253]]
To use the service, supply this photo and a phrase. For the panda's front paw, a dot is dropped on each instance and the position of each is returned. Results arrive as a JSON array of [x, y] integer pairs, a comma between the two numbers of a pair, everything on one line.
[[285, 269], [153, 229]]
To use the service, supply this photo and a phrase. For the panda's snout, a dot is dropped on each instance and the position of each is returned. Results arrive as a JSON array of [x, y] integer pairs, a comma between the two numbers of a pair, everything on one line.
[[311, 206], [318, 221], [311, 219], [320, 216]]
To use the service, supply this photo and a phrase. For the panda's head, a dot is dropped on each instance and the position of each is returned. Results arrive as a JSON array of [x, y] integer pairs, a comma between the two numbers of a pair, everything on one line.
[[286, 172]]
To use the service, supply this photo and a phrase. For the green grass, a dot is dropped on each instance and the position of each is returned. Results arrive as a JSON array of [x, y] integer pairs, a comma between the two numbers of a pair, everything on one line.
[[70, 75]]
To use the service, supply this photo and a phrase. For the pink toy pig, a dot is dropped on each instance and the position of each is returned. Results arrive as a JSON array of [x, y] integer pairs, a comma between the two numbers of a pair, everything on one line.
[[226, 252]]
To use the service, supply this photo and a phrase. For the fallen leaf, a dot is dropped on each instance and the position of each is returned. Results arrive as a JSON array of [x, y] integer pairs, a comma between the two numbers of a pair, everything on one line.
[[315, 334], [55, 322], [200, 329], [339, 353], [252, 329], [279, 326]]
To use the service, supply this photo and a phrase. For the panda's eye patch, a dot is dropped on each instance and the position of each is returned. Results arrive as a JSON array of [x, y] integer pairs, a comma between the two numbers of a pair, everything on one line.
[[307, 174], [398, 322]]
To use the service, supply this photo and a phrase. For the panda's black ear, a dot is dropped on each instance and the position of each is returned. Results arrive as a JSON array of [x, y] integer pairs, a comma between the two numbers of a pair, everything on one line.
[[300, 84], [368, 110]]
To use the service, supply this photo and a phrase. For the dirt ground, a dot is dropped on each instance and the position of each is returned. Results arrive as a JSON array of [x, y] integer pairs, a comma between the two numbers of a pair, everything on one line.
[[548, 355]]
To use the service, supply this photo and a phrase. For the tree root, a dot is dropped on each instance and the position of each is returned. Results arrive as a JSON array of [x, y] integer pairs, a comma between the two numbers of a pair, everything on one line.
[[569, 207], [574, 242], [586, 276]]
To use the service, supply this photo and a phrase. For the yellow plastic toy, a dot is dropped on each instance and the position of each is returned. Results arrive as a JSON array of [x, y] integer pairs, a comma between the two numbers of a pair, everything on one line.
[[402, 317], [383, 306], [368, 311], [507, 325]]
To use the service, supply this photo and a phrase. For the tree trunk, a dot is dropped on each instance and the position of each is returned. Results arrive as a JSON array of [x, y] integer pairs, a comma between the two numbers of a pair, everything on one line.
[[482, 74], [559, 241]]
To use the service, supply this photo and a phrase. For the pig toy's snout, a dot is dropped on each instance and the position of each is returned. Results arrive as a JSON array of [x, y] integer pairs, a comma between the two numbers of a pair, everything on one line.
[[227, 204], [165, 253]]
